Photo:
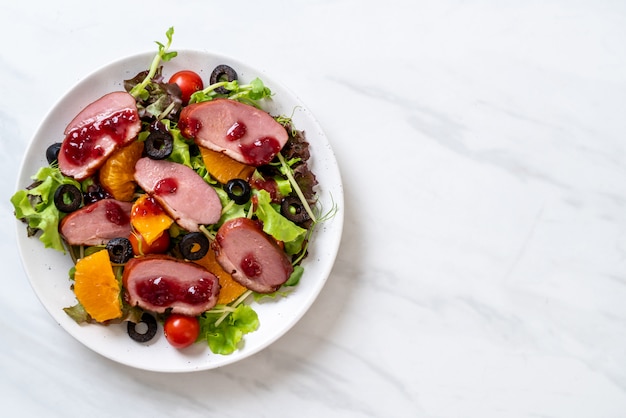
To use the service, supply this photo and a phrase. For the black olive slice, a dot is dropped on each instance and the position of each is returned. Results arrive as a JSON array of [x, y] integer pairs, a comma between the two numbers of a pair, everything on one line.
[[151, 330], [194, 245], [222, 73], [238, 190], [292, 208], [52, 152], [94, 193], [159, 145], [68, 198], [120, 250]]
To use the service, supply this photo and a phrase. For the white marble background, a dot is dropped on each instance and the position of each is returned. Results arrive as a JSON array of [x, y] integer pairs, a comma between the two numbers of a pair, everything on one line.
[[483, 267]]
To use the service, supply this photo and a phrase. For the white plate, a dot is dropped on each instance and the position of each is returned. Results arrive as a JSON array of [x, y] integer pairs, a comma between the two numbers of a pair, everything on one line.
[[47, 269]]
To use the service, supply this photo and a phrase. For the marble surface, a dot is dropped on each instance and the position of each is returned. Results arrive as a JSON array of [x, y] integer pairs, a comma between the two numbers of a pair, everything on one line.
[[482, 267]]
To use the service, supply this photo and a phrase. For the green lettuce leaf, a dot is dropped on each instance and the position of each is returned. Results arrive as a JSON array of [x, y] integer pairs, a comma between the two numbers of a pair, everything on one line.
[[224, 338], [180, 150], [35, 206], [277, 225], [295, 277], [77, 313], [250, 93], [230, 210]]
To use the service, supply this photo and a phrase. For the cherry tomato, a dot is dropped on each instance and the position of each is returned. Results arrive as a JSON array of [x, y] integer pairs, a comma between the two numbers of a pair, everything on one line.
[[189, 83], [159, 246], [180, 330]]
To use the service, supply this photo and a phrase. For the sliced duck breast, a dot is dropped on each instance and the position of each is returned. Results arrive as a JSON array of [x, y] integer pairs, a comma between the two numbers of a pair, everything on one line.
[[159, 282], [251, 256], [97, 223], [187, 198], [243, 132], [99, 129]]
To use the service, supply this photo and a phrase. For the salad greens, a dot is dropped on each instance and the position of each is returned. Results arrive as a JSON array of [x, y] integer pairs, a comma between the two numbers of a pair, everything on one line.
[[140, 90], [35, 206], [223, 327], [277, 225], [249, 93], [155, 97]]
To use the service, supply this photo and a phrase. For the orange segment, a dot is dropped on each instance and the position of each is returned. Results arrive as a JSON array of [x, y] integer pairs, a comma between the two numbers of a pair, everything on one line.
[[223, 168], [149, 219], [96, 287], [117, 173], [230, 289]]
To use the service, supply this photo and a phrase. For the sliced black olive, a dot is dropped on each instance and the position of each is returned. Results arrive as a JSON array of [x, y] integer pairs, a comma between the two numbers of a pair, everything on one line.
[[238, 190], [94, 193], [159, 145], [68, 198], [292, 208], [150, 332], [52, 152], [222, 73], [194, 245], [120, 250]]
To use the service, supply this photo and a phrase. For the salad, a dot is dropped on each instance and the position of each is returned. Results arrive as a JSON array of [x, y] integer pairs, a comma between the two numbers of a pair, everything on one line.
[[178, 203]]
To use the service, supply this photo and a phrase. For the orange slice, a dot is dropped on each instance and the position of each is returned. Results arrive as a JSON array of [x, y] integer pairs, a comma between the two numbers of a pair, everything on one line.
[[149, 219], [223, 168], [230, 289], [96, 287], [117, 173]]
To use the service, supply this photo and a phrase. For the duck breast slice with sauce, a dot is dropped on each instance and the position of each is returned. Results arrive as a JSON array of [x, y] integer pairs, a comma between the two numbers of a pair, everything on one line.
[[97, 223], [103, 126], [159, 282], [251, 256], [184, 195], [243, 132]]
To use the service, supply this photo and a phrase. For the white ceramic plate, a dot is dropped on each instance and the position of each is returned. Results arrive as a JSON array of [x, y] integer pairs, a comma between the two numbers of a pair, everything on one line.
[[47, 269]]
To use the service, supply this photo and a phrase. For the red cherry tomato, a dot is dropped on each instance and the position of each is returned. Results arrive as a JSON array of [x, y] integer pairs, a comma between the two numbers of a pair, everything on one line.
[[189, 83], [141, 247], [180, 330]]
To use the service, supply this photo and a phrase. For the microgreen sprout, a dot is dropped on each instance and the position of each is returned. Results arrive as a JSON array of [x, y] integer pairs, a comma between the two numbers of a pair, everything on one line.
[[289, 174], [228, 309], [164, 54]]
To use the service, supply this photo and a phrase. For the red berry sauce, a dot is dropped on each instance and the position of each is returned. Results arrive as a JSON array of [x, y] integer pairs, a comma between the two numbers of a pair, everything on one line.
[[166, 186], [250, 266], [148, 207], [237, 131], [164, 291], [261, 151], [115, 214], [83, 144], [189, 127]]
